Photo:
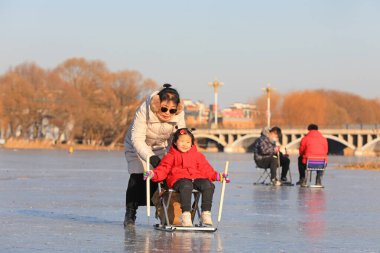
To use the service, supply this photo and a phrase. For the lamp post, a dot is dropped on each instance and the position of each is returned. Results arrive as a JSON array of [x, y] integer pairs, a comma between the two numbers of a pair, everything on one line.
[[216, 85], [268, 90]]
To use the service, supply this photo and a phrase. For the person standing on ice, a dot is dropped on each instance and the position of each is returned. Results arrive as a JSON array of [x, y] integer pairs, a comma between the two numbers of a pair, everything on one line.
[[149, 134], [185, 169]]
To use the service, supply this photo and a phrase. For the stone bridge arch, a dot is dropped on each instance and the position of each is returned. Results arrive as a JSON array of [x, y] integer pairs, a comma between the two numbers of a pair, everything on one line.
[[341, 141], [328, 137], [367, 146], [236, 145], [221, 144]]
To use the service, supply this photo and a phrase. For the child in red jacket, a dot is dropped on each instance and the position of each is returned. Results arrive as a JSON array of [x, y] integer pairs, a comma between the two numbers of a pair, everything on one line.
[[185, 169]]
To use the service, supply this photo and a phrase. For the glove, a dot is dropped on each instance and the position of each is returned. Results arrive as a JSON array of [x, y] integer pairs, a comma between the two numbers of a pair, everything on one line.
[[154, 161], [148, 174], [222, 176]]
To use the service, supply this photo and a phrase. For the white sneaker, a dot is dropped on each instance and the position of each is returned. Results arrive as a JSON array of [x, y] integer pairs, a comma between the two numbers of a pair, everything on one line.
[[275, 182], [206, 218], [186, 219]]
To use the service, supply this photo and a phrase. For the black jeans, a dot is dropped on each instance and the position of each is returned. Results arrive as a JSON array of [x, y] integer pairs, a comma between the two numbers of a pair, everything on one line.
[[136, 191], [185, 186], [301, 168], [284, 163]]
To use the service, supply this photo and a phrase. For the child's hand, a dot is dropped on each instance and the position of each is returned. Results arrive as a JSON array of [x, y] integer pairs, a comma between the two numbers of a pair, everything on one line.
[[223, 176], [148, 173]]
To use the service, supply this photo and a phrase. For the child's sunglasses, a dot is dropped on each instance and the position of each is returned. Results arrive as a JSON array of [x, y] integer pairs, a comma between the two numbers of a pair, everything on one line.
[[171, 111]]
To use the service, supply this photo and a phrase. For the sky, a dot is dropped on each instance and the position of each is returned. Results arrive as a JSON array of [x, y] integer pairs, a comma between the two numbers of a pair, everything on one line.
[[293, 45]]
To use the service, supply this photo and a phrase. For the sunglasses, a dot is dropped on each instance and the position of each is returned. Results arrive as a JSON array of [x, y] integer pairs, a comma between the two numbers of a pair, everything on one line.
[[171, 111]]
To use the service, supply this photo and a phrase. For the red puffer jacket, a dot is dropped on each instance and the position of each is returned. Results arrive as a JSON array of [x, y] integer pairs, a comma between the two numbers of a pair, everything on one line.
[[176, 165], [313, 144]]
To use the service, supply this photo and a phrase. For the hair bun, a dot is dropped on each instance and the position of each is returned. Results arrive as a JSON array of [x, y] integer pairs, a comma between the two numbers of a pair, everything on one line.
[[167, 85]]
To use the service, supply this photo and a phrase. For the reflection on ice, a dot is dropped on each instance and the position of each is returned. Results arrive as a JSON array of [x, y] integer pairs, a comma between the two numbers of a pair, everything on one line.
[[145, 239], [312, 206]]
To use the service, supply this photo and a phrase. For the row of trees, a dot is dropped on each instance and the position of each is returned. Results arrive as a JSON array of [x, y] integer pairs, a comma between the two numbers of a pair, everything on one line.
[[85, 101], [327, 108], [82, 98]]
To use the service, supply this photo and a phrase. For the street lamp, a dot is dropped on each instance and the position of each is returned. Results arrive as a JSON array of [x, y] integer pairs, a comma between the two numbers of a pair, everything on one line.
[[216, 85], [268, 90]]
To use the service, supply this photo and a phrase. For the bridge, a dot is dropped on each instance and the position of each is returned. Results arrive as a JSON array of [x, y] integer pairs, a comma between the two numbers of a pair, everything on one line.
[[341, 141]]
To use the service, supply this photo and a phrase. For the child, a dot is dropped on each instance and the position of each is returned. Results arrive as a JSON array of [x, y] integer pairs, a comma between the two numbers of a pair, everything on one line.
[[185, 169]]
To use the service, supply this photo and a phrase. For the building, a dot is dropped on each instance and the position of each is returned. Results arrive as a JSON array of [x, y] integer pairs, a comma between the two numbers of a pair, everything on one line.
[[196, 113], [239, 115]]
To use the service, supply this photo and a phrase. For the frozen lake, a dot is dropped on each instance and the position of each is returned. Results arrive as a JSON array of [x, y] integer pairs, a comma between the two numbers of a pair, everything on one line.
[[51, 201]]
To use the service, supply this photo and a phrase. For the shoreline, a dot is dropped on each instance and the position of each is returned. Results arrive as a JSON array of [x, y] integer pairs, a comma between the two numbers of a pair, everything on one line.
[[374, 166], [24, 144]]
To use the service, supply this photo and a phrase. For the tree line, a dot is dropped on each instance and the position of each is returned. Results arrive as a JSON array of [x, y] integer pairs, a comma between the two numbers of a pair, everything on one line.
[[87, 102], [82, 98], [327, 108]]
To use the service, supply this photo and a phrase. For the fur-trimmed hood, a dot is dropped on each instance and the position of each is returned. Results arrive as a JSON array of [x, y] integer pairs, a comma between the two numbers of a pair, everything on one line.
[[265, 131]]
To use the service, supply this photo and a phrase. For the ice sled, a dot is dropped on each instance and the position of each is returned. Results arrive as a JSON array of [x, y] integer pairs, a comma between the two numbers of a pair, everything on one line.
[[317, 165], [195, 214], [166, 225]]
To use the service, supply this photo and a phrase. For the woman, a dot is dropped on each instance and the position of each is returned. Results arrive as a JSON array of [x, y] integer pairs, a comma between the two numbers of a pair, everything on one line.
[[149, 135]]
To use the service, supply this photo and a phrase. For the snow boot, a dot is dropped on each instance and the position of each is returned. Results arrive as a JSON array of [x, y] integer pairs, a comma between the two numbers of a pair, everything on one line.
[[130, 217]]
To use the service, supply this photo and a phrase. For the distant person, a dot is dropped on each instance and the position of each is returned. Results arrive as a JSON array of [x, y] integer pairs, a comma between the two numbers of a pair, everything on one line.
[[185, 169], [267, 154], [312, 144], [149, 134]]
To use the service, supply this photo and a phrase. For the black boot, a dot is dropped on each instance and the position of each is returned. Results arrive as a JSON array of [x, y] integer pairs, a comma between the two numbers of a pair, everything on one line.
[[301, 181], [130, 217], [304, 183], [318, 180]]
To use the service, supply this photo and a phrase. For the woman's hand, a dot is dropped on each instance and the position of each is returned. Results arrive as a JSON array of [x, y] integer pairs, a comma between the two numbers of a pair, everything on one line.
[[154, 161], [148, 174]]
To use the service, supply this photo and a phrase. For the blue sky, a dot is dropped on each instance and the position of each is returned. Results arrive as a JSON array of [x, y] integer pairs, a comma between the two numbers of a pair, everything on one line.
[[294, 44]]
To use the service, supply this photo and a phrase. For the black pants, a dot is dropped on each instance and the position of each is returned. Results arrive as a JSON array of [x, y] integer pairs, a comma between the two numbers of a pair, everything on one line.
[[301, 168], [185, 186], [136, 191], [284, 163]]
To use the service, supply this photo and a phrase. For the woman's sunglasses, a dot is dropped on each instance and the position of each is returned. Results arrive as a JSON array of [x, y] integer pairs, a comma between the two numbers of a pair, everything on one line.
[[171, 111]]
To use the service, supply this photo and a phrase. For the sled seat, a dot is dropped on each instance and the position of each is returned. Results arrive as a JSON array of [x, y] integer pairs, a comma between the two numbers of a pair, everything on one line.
[[165, 196], [317, 165]]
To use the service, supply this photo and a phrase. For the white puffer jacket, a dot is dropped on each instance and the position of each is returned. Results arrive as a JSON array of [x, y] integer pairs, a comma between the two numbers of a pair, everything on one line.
[[147, 135]]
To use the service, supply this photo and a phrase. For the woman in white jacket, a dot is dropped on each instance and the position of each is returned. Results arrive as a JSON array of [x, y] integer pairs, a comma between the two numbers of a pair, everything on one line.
[[149, 134]]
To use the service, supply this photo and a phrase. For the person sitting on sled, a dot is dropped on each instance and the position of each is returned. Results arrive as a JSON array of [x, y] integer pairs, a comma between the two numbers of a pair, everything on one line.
[[185, 169], [266, 152], [312, 144]]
